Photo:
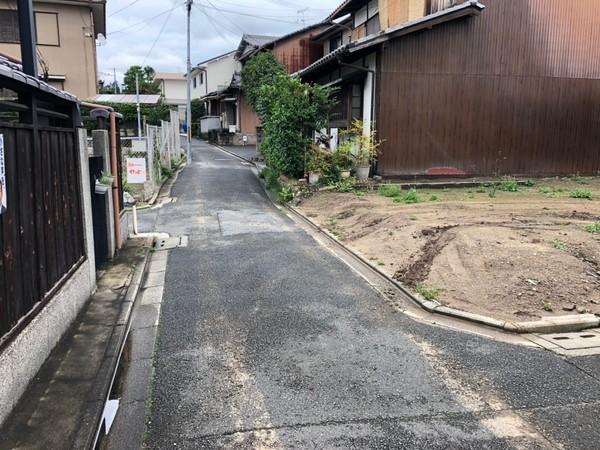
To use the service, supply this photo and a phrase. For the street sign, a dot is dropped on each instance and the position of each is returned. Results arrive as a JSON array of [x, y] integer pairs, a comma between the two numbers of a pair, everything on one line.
[[136, 170]]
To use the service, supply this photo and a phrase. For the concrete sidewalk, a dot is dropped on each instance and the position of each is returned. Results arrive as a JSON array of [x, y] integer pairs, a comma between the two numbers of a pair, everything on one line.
[[60, 408]]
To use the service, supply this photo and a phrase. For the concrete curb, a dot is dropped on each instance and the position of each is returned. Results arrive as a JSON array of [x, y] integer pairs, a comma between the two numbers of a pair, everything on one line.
[[558, 324], [89, 427]]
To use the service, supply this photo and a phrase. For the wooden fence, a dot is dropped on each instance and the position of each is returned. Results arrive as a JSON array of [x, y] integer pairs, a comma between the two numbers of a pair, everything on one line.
[[41, 232]]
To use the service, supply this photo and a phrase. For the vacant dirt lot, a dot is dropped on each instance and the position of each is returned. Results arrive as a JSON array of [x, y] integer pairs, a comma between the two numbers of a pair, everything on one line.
[[512, 255]]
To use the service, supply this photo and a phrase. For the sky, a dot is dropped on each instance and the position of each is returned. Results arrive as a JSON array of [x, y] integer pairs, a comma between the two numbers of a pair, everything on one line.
[[153, 32]]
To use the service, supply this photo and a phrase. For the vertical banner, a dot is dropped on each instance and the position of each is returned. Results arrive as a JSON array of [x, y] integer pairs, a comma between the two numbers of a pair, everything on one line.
[[136, 170], [3, 193]]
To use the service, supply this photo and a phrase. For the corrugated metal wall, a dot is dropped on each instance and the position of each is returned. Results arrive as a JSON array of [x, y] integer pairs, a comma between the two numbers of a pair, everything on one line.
[[515, 90]]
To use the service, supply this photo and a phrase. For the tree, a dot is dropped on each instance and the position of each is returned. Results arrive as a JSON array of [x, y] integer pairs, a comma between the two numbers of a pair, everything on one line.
[[290, 111], [146, 80], [197, 110], [260, 70], [109, 88]]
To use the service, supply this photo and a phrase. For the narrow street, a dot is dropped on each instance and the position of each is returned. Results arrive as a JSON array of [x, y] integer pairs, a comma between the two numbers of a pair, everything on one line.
[[267, 340]]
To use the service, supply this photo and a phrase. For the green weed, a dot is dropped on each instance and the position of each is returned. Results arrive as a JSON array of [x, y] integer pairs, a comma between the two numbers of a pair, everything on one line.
[[409, 197], [578, 193], [593, 228], [390, 190], [428, 292], [558, 244], [434, 198], [548, 307], [508, 184]]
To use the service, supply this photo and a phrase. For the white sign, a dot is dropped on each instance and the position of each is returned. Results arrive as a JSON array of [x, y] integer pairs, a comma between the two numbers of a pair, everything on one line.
[[3, 193], [138, 146], [136, 170], [232, 128]]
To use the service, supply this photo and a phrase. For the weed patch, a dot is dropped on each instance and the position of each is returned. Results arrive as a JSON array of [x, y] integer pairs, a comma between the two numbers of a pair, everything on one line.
[[428, 292], [389, 190], [409, 197], [593, 228], [578, 193]]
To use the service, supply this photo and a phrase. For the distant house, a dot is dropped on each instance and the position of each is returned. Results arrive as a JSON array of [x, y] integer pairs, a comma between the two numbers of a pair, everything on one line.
[[459, 87], [211, 82], [295, 51], [66, 32]]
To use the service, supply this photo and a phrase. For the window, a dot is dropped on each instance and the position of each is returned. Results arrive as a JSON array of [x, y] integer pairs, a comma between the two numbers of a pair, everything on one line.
[[335, 42], [373, 25], [46, 28], [373, 8], [194, 82], [9, 26], [201, 77], [360, 16]]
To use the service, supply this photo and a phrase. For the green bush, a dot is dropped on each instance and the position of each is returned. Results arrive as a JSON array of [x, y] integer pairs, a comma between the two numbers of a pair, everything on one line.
[[290, 111], [390, 190], [345, 185]]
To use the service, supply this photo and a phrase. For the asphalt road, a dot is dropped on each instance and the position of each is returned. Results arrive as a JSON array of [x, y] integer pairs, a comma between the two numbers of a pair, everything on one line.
[[269, 341]]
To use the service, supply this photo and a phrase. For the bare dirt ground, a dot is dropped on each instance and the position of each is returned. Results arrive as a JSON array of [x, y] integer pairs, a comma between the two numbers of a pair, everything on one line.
[[511, 255]]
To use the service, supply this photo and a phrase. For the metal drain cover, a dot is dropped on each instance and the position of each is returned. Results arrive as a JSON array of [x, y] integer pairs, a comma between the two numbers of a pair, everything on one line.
[[169, 243], [574, 341]]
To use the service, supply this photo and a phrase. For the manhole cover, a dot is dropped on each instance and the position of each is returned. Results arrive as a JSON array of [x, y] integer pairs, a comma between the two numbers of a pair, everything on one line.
[[172, 242], [574, 341]]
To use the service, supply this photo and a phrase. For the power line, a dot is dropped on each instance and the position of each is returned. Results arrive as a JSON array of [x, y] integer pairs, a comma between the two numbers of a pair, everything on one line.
[[159, 34], [211, 20], [124, 8], [145, 21], [225, 17], [256, 16]]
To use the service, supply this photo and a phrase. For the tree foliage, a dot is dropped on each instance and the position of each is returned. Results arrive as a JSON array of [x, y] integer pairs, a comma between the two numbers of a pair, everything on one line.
[[260, 70], [146, 80], [290, 111], [197, 110]]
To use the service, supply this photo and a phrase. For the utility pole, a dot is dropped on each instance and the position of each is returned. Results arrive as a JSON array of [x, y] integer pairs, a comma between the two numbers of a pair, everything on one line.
[[137, 101], [115, 80], [303, 20], [27, 37], [188, 5]]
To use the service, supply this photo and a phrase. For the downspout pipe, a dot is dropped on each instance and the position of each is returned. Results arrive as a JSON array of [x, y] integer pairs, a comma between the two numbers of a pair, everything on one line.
[[115, 169]]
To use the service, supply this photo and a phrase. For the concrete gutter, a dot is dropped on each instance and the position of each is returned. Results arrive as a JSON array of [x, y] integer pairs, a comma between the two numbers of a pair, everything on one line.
[[558, 324], [90, 425]]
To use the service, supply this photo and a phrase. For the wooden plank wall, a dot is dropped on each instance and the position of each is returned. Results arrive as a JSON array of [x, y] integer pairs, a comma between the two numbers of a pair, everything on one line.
[[41, 233], [514, 90]]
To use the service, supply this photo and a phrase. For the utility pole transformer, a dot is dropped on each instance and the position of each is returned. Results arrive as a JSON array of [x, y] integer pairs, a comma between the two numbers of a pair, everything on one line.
[[188, 5]]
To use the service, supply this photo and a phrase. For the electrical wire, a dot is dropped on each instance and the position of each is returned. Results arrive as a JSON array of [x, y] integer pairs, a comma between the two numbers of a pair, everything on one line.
[[256, 16], [217, 30], [159, 34], [145, 21], [123, 8]]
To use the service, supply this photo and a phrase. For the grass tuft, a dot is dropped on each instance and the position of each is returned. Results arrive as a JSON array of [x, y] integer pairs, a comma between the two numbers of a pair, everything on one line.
[[428, 292], [409, 197], [579, 193], [593, 228], [390, 190]]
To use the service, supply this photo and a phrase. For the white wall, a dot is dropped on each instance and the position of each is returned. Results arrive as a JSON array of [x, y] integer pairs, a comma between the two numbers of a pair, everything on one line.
[[174, 89], [219, 73]]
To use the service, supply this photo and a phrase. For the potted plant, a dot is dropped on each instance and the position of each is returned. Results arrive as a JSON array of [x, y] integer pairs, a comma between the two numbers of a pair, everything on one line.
[[365, 148], [103, 183], [343, 158], [316, 164]]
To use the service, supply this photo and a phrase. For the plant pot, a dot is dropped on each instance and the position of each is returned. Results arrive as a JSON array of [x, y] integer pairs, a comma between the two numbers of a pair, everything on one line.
[[362, 172], [100, 188], [345, 173], [313, 177]]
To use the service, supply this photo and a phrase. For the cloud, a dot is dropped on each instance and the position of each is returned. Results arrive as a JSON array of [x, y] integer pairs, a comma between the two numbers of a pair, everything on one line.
[[217, 26]]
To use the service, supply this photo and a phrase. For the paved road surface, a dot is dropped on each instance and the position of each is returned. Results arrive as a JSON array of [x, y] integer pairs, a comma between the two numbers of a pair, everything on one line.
[[268, 341]]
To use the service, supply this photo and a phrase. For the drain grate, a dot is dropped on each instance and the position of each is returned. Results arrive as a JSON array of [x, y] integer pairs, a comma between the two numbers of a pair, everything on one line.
[[169, 243], [574, 341]]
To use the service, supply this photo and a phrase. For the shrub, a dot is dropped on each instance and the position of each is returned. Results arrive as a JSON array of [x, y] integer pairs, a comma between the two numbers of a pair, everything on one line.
[[290, 110], [345, 185], [390, 190]]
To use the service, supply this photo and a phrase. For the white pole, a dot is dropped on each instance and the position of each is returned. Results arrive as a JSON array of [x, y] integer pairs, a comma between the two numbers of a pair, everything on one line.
[[188, 5], [137, 101], [135, 222]]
